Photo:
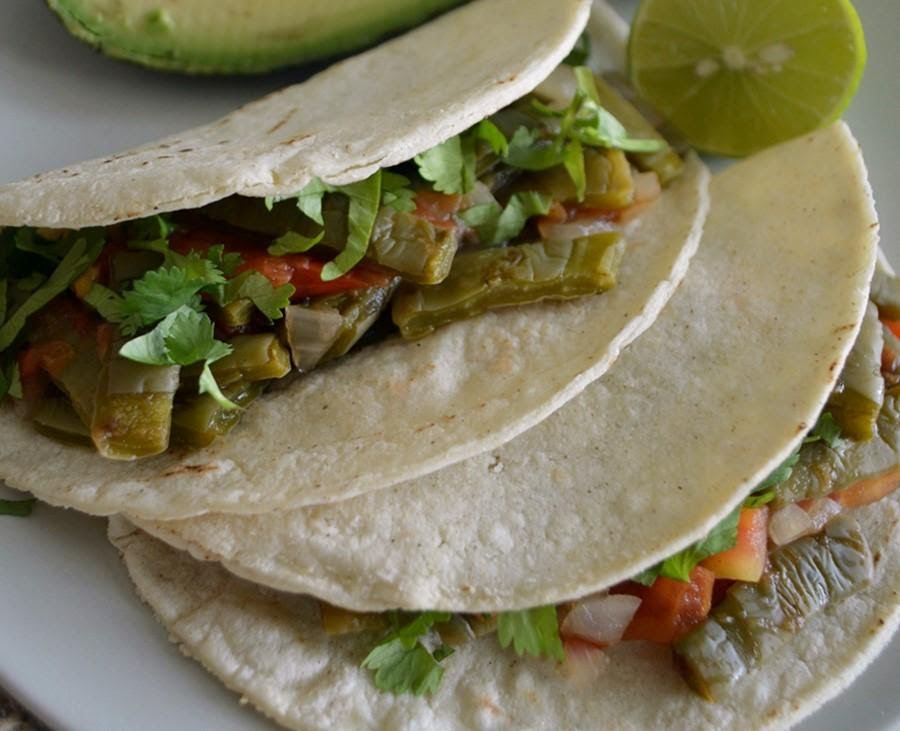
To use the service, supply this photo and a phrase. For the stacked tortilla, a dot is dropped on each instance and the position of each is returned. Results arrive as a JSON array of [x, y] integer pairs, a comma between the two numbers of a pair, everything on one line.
[[581, 460]]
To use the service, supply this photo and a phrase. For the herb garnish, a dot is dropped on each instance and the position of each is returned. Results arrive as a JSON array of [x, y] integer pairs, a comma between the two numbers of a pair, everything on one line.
[[401, 662]]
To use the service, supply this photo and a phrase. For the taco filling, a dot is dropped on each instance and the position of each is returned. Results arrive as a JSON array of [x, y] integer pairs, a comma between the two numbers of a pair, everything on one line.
[[163, 330], [791, 549]]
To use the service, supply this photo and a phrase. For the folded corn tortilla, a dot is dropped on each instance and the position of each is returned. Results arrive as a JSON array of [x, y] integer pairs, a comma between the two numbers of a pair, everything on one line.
[[393, 411], [649, 458], [270, 648]]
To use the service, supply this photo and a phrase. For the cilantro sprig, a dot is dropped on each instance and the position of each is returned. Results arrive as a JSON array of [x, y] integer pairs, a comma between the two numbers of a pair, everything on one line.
[[496, 224], [183, 338], [583, 123], [168, 300], [365, 201], [401, 663], [450, 166], [532, 632]]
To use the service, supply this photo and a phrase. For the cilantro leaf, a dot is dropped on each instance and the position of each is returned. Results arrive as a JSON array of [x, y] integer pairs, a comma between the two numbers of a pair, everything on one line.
[[17, 508], [583, 122], [527, 151], [450, 166], [573, 161], [162, 291], [445, 166], [402, 669], [225, 262], [489, 132], [156, 295], [189, 339], [679, 566], [587, 121], [401, 663], [309, 200], [208, 384], [78, 258], [758, 499], [252, 285], [496, 225], [826, 430], [780, 473], [294, 243], [183, 338], [532, 632], [396, 192], [365, 200]]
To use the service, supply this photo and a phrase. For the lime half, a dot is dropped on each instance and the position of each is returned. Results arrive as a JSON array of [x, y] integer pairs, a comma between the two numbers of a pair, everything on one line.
[[735, 76]]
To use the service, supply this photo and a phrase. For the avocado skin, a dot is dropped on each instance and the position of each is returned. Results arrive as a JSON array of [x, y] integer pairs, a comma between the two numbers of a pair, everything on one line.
[[159, 45]]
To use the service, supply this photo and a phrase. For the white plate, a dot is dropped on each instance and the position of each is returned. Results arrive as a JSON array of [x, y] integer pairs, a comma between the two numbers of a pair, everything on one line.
[[77, 646]]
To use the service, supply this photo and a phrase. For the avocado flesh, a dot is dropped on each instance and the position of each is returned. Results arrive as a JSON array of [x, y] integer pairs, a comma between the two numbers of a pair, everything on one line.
[[237, 36]]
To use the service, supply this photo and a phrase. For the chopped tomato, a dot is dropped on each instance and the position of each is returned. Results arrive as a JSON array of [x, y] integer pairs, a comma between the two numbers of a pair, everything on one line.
[[868, 490], [304, 271], [670, 608], [747, 560], [51, 357], [438, 208]]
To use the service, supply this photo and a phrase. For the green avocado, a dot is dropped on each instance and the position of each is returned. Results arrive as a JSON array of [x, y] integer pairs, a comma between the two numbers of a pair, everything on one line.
[[237, 36]]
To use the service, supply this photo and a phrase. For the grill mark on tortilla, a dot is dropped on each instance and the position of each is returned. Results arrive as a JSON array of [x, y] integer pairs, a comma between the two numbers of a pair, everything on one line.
[[198, 469]]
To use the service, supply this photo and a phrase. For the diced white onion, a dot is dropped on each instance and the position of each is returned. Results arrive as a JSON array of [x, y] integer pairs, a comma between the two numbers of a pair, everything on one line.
[[577, 229], [601, 618], [310, 333], [646, 187], [789, 523], [821, 511], [583, 663]]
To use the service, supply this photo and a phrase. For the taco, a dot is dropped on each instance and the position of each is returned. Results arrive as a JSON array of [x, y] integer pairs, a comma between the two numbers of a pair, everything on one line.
[[695, 413], [771, 609], [158, 297], [270, 647]]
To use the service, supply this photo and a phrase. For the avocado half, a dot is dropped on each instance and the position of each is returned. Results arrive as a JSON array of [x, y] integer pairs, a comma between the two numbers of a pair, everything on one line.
[[237, 36]]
